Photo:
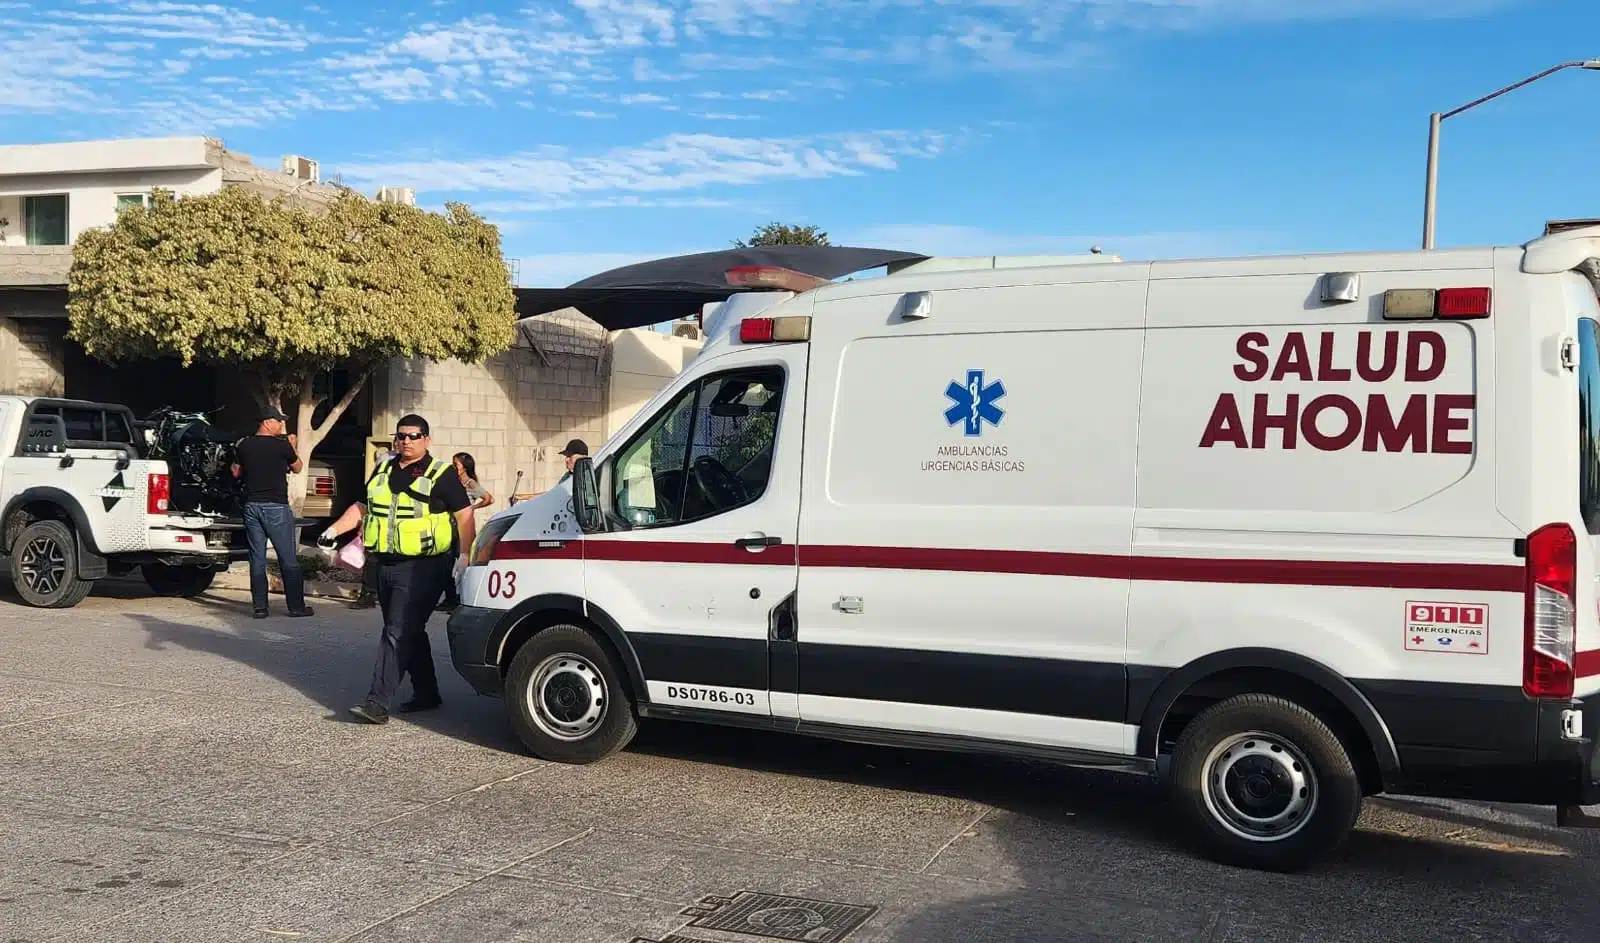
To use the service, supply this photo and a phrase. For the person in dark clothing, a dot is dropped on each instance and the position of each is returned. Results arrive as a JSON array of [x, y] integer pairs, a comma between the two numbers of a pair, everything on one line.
[[575, 450], [415, 519], [264, 462]]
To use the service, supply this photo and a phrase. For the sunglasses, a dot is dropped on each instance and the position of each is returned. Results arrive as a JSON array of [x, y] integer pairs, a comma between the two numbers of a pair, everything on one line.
[[412, 436]]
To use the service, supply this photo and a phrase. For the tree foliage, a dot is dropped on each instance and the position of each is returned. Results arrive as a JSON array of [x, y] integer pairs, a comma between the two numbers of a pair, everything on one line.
[[283, 292], [280, 293], [782, 234]]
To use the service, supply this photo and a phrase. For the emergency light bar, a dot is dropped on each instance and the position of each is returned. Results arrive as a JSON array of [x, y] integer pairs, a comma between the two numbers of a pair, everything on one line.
[[770, 330], [771, 276], [1421, 304]]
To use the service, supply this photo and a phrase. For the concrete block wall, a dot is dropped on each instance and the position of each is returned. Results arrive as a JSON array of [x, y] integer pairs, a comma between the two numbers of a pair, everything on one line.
[[31, 355], [514, 411], [32, 266]]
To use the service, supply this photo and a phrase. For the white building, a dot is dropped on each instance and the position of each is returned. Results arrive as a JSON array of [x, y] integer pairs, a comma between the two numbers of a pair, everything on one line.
[[49, 193], [567, 377]]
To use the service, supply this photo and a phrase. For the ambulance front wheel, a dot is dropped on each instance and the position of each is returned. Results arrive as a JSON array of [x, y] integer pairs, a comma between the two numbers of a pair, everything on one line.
[[1265, 783], [567, 701]]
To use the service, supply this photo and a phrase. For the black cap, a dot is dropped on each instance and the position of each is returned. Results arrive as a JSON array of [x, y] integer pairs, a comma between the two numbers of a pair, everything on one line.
[[575, 447], [273, 412]]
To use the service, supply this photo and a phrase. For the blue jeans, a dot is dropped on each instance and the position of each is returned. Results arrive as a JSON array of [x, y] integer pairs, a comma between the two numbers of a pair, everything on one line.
[[274, 522]]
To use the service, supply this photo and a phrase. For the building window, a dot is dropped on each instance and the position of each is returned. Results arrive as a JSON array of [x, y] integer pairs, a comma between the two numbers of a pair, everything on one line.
[[125, 200], [45, 219]]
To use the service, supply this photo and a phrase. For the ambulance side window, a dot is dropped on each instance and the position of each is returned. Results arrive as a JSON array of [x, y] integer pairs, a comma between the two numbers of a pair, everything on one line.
[[1589, 423], [648, 474], [707, 452]]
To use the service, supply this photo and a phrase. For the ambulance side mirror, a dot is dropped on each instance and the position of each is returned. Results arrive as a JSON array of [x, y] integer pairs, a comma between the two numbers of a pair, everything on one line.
[[586, 496]]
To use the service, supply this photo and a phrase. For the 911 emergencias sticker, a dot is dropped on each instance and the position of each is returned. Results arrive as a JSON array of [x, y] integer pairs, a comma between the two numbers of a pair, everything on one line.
[[1449, 627]]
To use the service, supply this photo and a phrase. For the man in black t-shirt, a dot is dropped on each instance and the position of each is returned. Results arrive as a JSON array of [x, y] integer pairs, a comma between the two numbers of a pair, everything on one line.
[[264, 462]]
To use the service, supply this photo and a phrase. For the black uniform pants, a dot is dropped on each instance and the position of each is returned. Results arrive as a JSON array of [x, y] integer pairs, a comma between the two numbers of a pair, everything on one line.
[[369, 578], [408, 591]]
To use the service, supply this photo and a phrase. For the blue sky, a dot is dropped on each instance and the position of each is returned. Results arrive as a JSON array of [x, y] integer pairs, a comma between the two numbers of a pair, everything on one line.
[[600, 132]]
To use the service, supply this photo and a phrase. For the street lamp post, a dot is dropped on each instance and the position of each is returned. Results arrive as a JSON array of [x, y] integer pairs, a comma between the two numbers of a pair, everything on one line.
[[1434, 120]]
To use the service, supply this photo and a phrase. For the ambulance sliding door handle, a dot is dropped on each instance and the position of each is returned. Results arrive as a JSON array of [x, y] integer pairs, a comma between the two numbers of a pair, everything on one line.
[[756, 541]]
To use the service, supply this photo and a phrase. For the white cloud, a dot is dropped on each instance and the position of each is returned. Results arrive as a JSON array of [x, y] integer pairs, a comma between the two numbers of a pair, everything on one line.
[[510, 207], [672, 163], [92, 55]]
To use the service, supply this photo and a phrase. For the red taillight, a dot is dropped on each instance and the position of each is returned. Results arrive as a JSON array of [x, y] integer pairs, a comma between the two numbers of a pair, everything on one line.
[[1463, 303], [755, 331], [323, 486], [159, 495], [1551, 627]]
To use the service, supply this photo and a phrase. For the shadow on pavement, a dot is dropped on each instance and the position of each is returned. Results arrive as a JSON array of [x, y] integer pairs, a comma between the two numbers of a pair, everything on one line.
[[331, 664], [1103, 857]]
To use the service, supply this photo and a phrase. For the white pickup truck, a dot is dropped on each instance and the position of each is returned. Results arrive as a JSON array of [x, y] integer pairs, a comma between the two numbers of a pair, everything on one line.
[[80, 502]]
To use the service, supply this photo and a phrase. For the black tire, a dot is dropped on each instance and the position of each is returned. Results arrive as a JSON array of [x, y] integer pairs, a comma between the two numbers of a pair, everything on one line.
[[588, 713], [44, 566], [184, 581], [1250, 744]]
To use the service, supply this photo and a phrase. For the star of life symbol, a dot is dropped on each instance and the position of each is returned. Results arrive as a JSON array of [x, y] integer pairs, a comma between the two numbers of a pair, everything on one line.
[[974, 403]]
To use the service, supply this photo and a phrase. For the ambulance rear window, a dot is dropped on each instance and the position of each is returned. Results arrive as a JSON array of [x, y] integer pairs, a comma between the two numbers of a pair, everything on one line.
[[1589, 423]]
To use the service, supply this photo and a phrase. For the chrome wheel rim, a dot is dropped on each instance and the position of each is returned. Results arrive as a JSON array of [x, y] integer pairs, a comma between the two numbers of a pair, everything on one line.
[[1260, 787], [567, 697], [43, 565]]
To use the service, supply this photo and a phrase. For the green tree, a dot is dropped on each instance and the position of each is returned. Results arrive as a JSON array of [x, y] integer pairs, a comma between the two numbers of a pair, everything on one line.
[[280, 293], [782, 234]]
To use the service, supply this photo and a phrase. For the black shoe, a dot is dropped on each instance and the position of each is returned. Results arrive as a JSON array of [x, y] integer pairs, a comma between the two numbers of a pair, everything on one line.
[[301, 613], [371, 713], [364, 602], [417, 704], [259, 614]]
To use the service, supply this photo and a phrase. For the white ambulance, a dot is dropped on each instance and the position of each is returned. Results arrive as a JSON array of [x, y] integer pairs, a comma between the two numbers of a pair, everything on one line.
[[1293, 530]]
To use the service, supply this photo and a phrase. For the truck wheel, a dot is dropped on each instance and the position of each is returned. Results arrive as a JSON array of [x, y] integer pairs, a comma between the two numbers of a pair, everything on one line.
[[44, 566], [1265, 783], [185, 581], [566, 699]]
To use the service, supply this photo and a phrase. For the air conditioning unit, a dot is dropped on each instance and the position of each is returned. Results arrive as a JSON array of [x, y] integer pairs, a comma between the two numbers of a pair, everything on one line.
[[405, 195], [301, 168], [686, 329]]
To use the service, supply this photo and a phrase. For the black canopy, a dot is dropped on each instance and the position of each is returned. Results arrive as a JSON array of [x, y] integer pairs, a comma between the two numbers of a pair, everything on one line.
[[671, 288]]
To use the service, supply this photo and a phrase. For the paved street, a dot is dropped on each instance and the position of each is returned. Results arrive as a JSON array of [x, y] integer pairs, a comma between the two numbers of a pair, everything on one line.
[[174, 771]]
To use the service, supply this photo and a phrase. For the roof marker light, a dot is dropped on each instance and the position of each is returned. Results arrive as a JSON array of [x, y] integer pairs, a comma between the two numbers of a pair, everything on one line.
[[1422, 304], [1408, 304], [1461, 303], [769, 330], [772, 276]]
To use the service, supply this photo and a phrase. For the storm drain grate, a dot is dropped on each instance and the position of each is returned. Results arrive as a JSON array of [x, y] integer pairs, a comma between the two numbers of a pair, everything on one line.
[[778, 917], [673, 938]]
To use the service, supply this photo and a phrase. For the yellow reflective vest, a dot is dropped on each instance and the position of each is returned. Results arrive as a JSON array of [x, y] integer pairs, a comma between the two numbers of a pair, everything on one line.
[[400, 523]]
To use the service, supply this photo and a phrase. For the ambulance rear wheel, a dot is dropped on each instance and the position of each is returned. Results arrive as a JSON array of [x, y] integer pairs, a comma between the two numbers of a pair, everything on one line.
[[1265, 784], [567, 701]]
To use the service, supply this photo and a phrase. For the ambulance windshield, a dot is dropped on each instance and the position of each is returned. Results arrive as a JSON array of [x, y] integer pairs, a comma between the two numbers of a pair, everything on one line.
[[1589, 423]]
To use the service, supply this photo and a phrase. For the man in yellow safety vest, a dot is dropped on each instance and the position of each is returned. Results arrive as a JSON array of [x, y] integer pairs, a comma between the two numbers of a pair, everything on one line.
[[412, 512]]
